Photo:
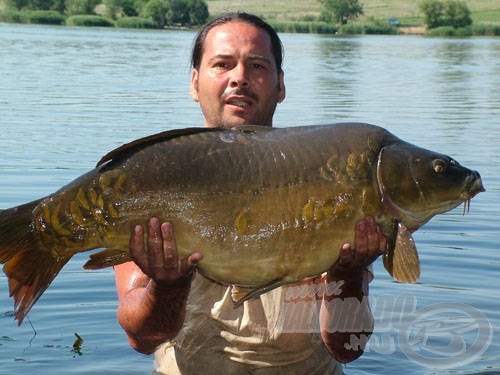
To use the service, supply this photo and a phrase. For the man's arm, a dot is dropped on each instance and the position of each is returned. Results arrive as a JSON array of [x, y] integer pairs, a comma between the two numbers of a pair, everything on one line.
[[346, 320], [153, 290]]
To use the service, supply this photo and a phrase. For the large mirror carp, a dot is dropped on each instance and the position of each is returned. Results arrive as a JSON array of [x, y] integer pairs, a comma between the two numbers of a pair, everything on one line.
[[265, 206]]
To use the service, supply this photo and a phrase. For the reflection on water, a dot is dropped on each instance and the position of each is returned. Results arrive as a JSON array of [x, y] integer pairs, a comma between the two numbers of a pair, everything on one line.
[[69, 95]]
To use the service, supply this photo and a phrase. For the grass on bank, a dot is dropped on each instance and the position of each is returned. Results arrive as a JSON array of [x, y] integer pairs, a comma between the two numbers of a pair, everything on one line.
[[487, 11], [489, 17]]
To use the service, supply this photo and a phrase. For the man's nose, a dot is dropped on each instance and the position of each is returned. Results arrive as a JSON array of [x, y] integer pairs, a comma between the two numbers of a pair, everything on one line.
[[239, 76]]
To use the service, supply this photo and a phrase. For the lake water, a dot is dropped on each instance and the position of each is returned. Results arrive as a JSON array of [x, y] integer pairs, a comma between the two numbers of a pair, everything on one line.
[[69, 95]]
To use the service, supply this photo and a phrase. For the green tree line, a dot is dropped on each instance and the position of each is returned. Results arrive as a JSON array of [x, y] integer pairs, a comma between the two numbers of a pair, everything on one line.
[[452, 13], [437, 13], [161, 12]]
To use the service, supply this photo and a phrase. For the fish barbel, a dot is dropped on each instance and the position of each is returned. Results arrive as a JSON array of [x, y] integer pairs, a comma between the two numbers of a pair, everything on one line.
[[265, 206]]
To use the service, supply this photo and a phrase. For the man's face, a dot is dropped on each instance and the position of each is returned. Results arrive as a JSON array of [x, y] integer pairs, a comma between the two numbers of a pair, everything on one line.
[[238, 81]]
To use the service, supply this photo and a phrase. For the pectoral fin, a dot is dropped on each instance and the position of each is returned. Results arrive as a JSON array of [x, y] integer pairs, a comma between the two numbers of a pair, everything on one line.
[[107, 258], [402, 260], [240, 295]]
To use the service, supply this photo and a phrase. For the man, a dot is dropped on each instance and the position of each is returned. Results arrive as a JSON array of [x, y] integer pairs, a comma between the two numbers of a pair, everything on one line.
[[189, 321]]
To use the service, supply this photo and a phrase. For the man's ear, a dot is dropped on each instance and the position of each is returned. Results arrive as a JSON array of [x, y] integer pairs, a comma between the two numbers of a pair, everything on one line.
[[282, 92], [194, 85]]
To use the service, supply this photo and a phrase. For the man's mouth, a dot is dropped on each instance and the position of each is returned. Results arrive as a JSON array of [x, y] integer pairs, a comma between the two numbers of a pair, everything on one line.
[[239, 102], [241, 98]]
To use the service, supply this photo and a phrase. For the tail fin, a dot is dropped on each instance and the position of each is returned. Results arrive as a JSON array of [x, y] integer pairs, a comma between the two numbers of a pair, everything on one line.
[[29, 266]]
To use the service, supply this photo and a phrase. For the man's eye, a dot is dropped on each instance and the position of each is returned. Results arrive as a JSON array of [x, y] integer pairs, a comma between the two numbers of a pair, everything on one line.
[[258, 66], [220, 65]]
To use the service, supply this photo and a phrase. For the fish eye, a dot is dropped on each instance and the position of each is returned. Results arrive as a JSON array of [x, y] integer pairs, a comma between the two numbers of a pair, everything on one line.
[[439, 165]]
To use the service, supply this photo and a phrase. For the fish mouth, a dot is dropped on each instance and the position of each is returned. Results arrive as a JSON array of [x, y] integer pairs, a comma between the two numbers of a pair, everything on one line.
[[474, 187], [475, 184]]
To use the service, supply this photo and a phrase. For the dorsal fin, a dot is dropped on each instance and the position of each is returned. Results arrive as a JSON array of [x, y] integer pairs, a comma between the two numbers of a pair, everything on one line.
[[141, 143], [252, 128], [138, 144]]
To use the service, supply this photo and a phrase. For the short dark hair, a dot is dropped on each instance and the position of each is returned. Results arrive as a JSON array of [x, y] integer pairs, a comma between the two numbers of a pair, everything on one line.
[[199, 43]]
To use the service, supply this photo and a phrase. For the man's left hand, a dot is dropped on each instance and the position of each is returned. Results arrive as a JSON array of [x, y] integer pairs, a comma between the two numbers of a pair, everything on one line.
[[369, 244]]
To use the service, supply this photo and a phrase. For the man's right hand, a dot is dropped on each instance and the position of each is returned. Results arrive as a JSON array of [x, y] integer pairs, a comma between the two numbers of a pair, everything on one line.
[[153, 290], [159, 260]]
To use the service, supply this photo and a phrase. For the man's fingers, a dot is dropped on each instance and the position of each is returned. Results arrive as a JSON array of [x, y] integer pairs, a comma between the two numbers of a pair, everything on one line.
[[383, 244], [361, 241], [136, 246], [345, 255], [194, 259], [369, 241], [373, 239], [157, 256], [155, 244], [376, 241], [169, 246], [172, 265]]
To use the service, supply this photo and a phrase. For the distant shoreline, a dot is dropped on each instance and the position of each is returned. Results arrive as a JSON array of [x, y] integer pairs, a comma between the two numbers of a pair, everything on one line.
[[412, 30]]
